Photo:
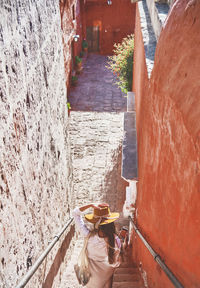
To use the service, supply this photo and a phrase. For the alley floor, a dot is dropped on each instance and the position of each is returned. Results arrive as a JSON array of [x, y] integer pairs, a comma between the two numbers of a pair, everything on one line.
[[96, 132], [96, 90]]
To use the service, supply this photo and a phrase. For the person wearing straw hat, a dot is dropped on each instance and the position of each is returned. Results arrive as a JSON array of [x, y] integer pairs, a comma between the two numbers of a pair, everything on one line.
[[103, 245]]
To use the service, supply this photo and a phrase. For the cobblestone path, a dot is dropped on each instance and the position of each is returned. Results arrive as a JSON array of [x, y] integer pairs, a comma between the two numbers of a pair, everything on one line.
[[96, 131], [96, 90]]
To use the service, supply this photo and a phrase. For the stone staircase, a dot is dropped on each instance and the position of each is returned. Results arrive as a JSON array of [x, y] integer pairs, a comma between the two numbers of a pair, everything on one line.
[[127, 275]]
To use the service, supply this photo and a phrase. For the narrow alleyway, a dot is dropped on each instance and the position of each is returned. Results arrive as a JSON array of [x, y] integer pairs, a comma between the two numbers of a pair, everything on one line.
[[96, 135], [96, 131]]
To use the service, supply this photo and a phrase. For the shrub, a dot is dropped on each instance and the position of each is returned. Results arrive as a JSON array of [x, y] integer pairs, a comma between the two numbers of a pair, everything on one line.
[[121, 63], [78, 60]]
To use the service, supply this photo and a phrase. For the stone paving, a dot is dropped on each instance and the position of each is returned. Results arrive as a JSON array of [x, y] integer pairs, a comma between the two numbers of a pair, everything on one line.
[[96, 89], [96, 140], [96, 132]]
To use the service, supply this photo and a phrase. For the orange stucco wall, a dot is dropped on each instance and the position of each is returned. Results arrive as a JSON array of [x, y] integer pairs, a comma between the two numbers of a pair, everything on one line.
[[140, 77], [115, 21], [168, 109]]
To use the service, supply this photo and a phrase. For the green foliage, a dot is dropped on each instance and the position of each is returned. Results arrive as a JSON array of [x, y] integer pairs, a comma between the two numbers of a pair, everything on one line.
[[84, 44], [68, 106], [78, 60], [121, 63]]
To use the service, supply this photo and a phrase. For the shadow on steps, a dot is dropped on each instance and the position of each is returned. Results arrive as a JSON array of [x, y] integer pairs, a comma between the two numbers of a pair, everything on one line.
[[127, 275]]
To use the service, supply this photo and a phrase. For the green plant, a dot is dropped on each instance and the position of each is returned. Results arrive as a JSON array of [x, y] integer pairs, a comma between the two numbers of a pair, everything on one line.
[[121, 63], [84, 44], [78, 60], [69, 106]]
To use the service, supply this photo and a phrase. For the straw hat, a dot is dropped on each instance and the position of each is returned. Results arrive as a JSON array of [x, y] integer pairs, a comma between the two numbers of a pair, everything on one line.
[[101, 215]]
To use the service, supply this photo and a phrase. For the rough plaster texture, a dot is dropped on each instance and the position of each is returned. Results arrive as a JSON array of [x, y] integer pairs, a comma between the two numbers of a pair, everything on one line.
[[35, 166], [141, 69], [169, 168], [71, 26]]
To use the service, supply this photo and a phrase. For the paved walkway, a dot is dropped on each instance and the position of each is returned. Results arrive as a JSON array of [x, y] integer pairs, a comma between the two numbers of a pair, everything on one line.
[[96, 90], [96, 140]]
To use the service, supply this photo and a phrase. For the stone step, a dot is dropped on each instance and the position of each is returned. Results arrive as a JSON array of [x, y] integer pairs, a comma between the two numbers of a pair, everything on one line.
[[127, 264], [126, 270], [126, 277], [128, 274], [131, 284]]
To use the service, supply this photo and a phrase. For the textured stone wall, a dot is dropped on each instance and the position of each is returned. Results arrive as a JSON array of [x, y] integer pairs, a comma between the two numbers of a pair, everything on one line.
[[35, 168], [71, 26], [169, 148]]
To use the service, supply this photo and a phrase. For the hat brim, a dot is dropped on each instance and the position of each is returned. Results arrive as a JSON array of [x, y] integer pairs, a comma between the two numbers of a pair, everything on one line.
[[113, 217]]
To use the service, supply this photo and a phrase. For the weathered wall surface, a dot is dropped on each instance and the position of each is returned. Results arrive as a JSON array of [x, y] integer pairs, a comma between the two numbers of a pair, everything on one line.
[[80, 15], [35, 168], [71, 23], [140, 76], [169, 150], [115, 22], [67, 9]]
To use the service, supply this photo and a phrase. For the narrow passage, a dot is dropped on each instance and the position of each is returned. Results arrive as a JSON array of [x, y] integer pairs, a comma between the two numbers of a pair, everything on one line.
[[96, 90], [96, 132]]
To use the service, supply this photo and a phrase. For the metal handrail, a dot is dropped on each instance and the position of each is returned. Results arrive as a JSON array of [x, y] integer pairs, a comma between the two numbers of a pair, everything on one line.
[[39, 261], [157, 258]]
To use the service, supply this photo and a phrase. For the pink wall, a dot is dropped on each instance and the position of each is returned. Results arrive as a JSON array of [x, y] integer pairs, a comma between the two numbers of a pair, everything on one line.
[[168, 110]]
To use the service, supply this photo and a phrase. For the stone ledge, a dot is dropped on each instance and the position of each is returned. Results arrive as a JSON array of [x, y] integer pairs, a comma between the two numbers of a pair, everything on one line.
[[148, 34], [129, 147], [162, 11], [152, 18]]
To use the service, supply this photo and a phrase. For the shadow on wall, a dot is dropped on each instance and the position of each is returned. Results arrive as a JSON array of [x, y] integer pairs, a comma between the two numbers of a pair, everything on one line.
[[59, 258], [114, 185]]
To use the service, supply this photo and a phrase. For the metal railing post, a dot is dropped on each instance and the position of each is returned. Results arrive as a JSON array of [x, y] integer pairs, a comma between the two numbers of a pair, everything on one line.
[[39, 261], [157, 258]]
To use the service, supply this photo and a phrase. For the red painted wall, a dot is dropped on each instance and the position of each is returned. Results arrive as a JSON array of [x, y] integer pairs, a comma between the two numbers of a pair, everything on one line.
[[80, 15], [168, 109], [116, 21]]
